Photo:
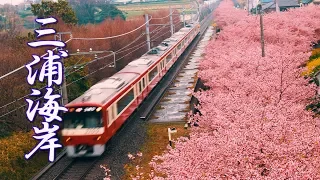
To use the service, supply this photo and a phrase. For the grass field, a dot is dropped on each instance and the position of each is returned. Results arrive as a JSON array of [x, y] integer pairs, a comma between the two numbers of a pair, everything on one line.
[[154, 6], [139, 9]]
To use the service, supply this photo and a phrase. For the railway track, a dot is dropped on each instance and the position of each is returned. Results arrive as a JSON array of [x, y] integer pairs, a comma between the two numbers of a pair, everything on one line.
[[76, 169], [122, 143]]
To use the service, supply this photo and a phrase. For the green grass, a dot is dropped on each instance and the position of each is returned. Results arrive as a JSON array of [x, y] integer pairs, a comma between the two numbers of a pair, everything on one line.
[[156, 144], [13, 165]]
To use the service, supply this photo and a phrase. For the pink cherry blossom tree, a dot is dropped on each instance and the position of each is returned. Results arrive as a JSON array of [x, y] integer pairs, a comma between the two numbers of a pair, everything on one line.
[[254, 123]]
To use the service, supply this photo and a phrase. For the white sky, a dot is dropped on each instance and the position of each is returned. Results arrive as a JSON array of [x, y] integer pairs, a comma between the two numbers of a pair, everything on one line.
[[14, 2]]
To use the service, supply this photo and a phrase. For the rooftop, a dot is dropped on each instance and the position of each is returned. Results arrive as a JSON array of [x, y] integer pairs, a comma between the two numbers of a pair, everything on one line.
[[282, 3]]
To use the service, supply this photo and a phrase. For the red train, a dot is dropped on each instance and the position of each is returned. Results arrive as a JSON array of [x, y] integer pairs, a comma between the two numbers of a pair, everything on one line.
[[94, 117]]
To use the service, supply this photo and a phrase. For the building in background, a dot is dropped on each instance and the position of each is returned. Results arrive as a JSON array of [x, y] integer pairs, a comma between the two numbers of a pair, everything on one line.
[[270, 5], [316, 1], [283, 5]]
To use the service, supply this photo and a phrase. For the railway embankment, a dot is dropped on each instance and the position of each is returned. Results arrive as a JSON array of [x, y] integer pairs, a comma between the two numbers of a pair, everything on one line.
[[175, 104]]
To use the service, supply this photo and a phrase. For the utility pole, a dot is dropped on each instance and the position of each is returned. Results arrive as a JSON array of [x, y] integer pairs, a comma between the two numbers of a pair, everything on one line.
[[277, 6], [171, 23], [63, 91], [5, 23], [248, 7], [261, 29], [34, 22], [183, 18], [147, 31]]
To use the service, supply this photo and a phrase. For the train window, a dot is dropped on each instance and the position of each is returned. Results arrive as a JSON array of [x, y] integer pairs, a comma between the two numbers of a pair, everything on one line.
[[125, 101], [179, 46], [140, 86], [153, 74], [143, 83], [169, 57], [111, 117], [73, 120]]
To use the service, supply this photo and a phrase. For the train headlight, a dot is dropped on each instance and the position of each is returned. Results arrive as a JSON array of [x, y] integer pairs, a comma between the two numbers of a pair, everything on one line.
[[68, 139], [98, 109], [98, 138]]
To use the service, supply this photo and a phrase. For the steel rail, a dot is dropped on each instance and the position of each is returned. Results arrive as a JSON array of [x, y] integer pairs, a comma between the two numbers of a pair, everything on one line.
[[48, 166]]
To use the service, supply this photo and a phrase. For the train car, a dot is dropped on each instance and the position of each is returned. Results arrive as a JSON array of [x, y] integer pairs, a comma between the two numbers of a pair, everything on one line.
[[94, 117]]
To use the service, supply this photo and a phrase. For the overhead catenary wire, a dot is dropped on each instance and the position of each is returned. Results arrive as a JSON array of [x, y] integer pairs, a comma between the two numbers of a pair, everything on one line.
[[107, 64], [111, 37], [164, 17], [70, 67], [109, 55], [165, 26], [117, 52], [89, 62], [18, 69], [66, 85], [73, 81], [84, 64]]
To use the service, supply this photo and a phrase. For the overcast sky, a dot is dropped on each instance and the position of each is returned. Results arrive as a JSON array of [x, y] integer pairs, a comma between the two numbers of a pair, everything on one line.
[[14, 2]]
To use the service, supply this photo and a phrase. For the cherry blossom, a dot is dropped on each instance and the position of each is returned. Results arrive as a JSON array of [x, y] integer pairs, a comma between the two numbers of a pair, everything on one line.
[[254, 123], [107, 172], [139, 154], [130, 156]]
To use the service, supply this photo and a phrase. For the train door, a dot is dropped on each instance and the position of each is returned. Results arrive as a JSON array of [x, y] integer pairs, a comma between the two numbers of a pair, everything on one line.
[[106, 121], [112, 115]]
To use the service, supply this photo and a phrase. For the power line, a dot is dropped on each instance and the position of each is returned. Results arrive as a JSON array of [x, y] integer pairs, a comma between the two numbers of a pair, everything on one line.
[[111, 37], [164, 17], [118, 51], [109, 55], [71, 82], [84, 64], [18, 69], [106, 65], [66, 85]]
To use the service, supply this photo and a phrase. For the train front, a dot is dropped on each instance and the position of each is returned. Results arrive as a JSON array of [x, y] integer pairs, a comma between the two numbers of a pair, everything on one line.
[[83, 132]]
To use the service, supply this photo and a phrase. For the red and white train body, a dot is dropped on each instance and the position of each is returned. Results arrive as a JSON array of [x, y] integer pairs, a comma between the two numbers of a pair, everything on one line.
[[94, 117]]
